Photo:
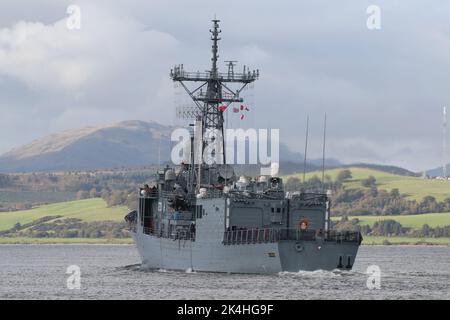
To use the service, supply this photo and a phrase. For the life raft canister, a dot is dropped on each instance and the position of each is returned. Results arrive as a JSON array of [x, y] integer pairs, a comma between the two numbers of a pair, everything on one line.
[[303, 224]]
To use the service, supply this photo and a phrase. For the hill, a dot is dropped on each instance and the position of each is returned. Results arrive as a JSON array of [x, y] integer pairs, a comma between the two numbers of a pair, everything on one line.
[[437, 172], [124, 144], [89, 210], [384, 168], [413, 187], [415, 221]]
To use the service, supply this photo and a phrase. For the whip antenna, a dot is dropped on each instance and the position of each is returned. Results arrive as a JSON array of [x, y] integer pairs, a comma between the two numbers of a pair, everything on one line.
[[306, 147], [323, 149]]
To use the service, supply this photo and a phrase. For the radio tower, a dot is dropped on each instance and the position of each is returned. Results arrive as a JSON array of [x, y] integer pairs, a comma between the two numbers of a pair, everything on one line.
[[213, 92], [444, 142]]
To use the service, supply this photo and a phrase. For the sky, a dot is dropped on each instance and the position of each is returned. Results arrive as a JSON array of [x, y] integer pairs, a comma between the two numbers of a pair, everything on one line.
[[382, 90]]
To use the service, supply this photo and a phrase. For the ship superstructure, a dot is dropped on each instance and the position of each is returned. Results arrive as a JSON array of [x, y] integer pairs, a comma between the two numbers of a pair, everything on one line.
[[201, 216]]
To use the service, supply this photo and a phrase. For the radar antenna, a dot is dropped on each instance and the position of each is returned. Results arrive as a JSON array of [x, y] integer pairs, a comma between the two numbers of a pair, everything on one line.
[[211, 103]]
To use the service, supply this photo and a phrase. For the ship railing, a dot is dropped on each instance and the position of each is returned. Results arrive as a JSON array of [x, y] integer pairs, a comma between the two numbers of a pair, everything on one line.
[[343, 236], [180, 75], [211, 194], [247, 236], [169, 194], [174, 235], [153, 194], [269, 235]]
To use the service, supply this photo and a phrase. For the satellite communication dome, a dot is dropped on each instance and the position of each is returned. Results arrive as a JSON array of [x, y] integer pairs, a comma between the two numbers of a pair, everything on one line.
[[170, 175]]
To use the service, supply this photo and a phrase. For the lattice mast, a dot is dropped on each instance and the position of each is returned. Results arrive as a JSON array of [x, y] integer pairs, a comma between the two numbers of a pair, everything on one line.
[[211, 103]]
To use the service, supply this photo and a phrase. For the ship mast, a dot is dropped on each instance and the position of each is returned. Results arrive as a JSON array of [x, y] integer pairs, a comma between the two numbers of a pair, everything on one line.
[[211, 103]]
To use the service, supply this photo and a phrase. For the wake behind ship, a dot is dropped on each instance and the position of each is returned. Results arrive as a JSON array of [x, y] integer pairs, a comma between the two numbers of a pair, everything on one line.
[[201, 216]]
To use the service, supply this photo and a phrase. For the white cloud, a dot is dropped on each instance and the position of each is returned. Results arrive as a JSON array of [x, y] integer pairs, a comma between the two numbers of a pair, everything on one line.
[[52, 57], [102, 72], [42, 56]]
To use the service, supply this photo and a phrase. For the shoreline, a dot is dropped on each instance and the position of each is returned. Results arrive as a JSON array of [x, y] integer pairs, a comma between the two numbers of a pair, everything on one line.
[[65, 241], [368, 241]]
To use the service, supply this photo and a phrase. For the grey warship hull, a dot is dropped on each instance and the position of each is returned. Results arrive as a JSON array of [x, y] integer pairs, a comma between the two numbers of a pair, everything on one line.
[[161, 253], [249, 251]]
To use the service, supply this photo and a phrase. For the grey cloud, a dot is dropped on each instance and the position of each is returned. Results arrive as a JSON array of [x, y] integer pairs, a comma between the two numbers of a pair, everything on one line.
[[382, 90]]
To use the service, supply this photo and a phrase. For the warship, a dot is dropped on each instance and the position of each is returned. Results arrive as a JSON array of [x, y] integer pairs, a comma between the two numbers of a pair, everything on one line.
[[202, 217]]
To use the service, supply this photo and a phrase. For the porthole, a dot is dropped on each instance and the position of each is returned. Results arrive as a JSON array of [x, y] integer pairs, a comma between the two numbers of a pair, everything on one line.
[[299, 247]]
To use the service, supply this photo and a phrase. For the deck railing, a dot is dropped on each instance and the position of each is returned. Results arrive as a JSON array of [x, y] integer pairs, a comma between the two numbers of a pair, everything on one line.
[[174, 235], [268, 235], [343, 236], [149, 194], [168, 194]]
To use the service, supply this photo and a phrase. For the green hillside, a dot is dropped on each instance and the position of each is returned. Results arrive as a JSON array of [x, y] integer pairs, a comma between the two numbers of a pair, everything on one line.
[[415, 221], [414, 187], [91, 210], [371, 240], [88, 210]]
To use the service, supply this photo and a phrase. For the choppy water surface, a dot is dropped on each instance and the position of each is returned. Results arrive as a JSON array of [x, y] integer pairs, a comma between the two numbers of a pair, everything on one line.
[[112, 272]]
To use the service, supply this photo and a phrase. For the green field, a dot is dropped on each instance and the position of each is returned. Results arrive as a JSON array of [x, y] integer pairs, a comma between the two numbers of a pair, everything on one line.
[[377, 240], [87, 210], [415, 221], [90, 210], [413, 187]]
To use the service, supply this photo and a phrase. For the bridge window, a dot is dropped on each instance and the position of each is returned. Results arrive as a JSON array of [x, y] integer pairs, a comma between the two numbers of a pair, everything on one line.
[[276, 209]]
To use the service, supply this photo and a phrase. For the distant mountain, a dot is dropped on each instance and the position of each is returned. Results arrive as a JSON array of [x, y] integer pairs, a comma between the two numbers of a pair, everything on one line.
[[287, 156], [125, 144], [128, 143], [437, 172]]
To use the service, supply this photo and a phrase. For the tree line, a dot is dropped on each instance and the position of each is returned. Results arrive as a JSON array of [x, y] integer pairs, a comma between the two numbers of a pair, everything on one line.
[[368, 200], [120, 188], [390, 227], [114, 187], [55, 227]]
